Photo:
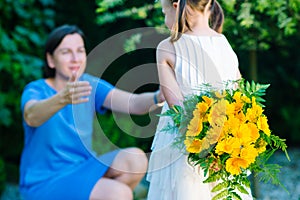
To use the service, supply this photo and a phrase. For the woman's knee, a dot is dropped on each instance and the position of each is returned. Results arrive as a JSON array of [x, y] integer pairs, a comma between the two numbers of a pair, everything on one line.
[[108, 189], [138, 159], [130, 160], [123, 192]]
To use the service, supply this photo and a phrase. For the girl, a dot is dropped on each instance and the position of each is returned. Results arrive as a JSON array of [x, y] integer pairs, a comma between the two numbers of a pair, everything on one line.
[[195, 53], [58, 113]]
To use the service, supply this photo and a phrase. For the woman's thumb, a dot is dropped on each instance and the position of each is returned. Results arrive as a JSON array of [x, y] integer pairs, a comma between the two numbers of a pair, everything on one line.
[[73, 77]]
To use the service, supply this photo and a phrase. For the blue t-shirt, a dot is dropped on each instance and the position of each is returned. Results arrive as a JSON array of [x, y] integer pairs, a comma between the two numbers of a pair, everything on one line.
[[62, 141]]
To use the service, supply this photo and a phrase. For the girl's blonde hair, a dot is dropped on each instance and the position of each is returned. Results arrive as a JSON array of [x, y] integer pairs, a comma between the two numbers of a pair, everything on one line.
[[182, 24]]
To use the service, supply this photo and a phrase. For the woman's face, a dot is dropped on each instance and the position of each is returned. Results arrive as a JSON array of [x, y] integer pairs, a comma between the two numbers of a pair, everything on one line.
[[68, 57], [169, 11]]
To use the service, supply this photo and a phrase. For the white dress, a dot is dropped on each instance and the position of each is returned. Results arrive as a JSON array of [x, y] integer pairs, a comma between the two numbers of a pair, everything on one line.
[[199, 59]]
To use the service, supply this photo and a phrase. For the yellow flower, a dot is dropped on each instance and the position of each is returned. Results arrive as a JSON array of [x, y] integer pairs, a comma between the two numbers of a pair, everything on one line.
[[232, 124], [249, 153], [243, 133], [230, 109], [219, 95], [245, 99], [205, 144], [208, 101], [241, 116], [262, 124], [247, 133], [240, 97], [195, 126], [261, 146], [238, 106], [234, 165], [255, 112], [227, 145], [193, 145], [237, 96], [254, 132], [202, 108], [217, 115], [213, 134]]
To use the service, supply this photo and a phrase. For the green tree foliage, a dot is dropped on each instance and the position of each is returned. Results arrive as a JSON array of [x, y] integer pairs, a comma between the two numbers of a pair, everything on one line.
[[135, 13], [257, 24], [24, 25], [21, 36], [111, 10]]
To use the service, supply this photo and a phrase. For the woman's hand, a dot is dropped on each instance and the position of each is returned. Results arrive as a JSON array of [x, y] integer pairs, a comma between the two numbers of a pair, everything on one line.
[[160, 97], [75, 92]]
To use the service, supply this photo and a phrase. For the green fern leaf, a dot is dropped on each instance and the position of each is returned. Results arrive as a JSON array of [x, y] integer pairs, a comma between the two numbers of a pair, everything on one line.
[[221, 195], [235, 196], [241, 189], [246, 182], [219, 187], [213, 178]]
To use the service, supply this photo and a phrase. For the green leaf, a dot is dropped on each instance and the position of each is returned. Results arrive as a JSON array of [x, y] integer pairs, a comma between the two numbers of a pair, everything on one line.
[[235, 196], [253, 86], [259, 99], [219, 187], [248, 87], [104, 5], [47, 2], [5, 115], [213, 177], [131, 43], [7, 43], [5, 60], [221, 195], [246, 182], [241, 189]]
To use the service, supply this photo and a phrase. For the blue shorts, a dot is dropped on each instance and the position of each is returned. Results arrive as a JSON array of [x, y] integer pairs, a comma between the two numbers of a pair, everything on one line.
[[77, 184]]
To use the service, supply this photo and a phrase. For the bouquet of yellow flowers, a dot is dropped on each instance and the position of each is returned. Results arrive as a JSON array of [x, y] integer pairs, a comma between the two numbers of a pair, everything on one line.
[[227, 134]]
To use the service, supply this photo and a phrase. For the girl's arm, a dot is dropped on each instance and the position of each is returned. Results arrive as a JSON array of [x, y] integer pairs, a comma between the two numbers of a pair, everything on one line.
[[165, 64]]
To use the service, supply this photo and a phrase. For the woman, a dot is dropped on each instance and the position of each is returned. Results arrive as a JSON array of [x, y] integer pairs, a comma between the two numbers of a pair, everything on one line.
[[58, 112]]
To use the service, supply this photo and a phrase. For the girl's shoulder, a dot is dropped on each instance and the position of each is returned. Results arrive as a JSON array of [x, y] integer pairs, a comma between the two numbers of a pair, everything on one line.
[[166, 45], [165, 52]]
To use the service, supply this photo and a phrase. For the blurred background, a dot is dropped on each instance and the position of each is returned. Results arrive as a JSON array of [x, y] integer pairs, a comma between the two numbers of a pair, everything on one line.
[[264, 34]]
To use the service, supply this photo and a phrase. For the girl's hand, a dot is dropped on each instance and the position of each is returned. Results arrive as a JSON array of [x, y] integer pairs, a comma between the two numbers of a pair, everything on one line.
[[75, 92]]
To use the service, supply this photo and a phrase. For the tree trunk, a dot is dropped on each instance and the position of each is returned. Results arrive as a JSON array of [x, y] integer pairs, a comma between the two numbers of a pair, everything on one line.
[[253, 64]]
